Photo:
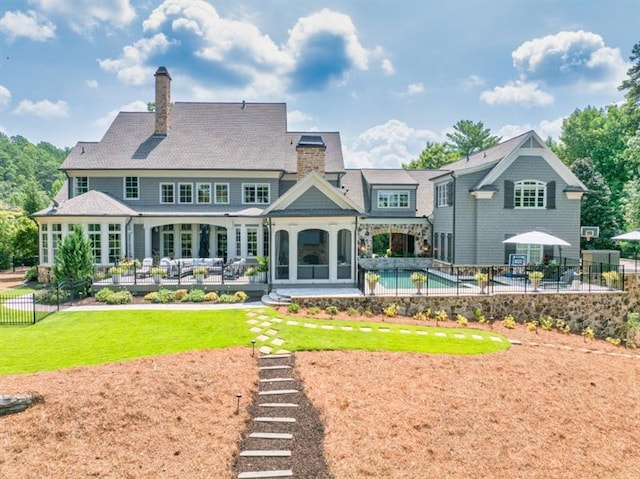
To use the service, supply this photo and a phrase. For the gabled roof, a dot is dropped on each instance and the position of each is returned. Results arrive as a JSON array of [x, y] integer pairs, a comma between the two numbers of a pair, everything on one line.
[[91, 203], [499, 157], [313, 179], [380, 176], [203, 136]]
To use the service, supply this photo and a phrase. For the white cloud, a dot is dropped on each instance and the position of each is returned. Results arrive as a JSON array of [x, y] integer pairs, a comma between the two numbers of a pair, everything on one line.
[[570, 57], [517, 93], [387, 146], [473, 81], [415, 89], [388, 67], [107, 119], [93, 84], [43, 109], [297, 120], [5, 97], [83, 16], [29, 25], [546, 128], [131, 68]]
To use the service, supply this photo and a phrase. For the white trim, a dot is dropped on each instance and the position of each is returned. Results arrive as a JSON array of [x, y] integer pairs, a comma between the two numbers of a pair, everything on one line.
[[574, 195], [483, 195], [178, 196], [124, 187], [539, 185], [398, 193], [255, 186], [160, 185], [75, 185], [177, 173], [196, 195], [214, 196]]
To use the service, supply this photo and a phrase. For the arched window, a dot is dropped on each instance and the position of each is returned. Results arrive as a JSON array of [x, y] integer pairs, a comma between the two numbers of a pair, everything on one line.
[[529, 194]]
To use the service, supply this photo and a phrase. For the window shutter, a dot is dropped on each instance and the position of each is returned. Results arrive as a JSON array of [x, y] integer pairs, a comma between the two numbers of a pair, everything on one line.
[[509, 248], [450, 194], [551, 195], [435, 197], [508, 194]]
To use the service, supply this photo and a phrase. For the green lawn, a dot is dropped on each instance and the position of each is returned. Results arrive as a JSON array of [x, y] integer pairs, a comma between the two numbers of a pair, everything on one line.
[[69, 339]]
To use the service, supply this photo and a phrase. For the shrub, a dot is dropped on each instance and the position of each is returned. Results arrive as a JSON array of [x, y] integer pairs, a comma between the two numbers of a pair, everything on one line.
[[418, 277], [179, 294], [614, 341], [150, 297], [367, 312], [462, 320], [482, 277], [441, 315], [159, 272], [211, 297], [31, 274], [116, 270], [371, 277], [532, 326], [195, 296], [352, 311], [546, 322], [422, 315], [509, 322], [479, 316], [242, 296], [313, 310], [163, 296], [103, 295], [51, 296], [536, 275], [228, 298], [120, 297], [391, 310], [633, 330], [588, 334], [331, 310], [293, 308]]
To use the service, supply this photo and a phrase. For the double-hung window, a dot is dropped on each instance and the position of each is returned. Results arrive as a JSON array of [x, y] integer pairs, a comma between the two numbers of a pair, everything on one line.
[[131, 188], [222, 193], [529, 194], [256, 193], [167, 193], [444, 194], [80, 185], [185, 192], [203, 193], [393, 199]]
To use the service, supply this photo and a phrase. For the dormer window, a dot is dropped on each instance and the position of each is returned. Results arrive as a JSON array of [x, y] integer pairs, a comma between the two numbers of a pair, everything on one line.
[[529, 194], [80, 185], [393, 199]]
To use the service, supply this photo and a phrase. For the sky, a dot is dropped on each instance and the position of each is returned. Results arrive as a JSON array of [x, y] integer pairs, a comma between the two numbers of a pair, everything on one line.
[[390, 76]]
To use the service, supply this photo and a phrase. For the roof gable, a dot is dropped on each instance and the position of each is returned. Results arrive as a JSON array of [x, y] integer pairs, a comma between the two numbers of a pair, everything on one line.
[[91, 203]]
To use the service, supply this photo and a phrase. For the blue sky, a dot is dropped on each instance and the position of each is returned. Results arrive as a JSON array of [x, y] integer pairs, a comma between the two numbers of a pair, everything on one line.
[[388, 75]]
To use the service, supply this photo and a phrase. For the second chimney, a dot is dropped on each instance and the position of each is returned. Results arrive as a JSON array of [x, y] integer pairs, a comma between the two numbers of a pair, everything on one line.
[[310, 151], [163, 101]]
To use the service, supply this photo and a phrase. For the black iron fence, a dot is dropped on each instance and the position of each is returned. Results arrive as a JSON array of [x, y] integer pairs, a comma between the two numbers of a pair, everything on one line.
[[29, 308], [465, 280], [22, 261]]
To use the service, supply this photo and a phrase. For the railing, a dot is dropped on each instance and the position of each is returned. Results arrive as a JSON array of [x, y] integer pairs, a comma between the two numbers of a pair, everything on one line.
[[19, 261], [465, 280], [23, 310]]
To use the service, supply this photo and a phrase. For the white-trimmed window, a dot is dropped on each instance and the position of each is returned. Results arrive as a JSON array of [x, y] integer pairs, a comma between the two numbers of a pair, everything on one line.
[[252, 241], [95, 236], [115, 242], [131, 188], [222, 193], [393, 199], [529, 194], [167, 193], [80, 185], [255, 193], [533, 251], [44, 235], [56, 238], [203, 193], [444, 194], [185, 192]]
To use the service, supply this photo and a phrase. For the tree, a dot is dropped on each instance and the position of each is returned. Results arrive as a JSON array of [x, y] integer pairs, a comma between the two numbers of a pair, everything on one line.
[[631, 204], [470, 137], [25, 237], [596, 208], [434, 156], [632, 84], [34, 199], [74, 259]]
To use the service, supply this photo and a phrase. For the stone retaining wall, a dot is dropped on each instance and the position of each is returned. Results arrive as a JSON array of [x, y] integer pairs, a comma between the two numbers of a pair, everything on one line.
[[604, 312]]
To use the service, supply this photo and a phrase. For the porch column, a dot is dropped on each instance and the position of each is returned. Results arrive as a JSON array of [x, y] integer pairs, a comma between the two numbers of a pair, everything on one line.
[[243, 241], [104, 247], [176, 240], [333, 253], [293, 252], [231, 242], [261, 251], [147, 240]]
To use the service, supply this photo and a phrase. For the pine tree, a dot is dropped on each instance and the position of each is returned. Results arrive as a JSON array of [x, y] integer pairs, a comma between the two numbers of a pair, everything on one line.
[[74, 259]]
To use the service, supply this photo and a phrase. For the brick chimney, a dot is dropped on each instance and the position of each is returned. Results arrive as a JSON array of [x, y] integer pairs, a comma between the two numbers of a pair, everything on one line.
[[163, 101], [310, 151]]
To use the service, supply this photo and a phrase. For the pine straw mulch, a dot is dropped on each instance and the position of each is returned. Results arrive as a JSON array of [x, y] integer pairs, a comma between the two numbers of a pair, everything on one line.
[[532, 412]]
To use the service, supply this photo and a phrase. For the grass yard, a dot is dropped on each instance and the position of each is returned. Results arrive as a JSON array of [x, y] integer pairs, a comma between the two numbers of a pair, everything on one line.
[[70, 339]]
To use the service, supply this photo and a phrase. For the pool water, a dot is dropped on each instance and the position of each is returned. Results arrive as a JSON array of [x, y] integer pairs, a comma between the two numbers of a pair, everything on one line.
[[388, 280]]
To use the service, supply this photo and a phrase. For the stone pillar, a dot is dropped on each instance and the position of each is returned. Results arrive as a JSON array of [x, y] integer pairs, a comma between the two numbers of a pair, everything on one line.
[[310, 150]]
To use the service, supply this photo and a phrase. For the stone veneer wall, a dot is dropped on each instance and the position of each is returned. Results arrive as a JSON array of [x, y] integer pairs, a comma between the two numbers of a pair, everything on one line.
[[604, 312], [392, 263]]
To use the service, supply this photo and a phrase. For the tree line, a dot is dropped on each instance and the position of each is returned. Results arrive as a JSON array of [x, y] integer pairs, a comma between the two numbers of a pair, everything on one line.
[[601, 145]]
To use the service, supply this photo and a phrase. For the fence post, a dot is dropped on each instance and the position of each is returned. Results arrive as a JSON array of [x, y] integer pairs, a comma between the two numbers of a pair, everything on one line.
[[33, 303]]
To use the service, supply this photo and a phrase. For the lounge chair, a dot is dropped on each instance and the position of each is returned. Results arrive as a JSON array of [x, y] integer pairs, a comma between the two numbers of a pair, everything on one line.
[[564, 282], [144, 271]]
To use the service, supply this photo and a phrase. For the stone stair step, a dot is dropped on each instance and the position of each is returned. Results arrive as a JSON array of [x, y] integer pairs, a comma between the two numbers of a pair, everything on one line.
[[268, 368], [271, 435], [278, 404], [265, 474], [275, 356], [278, 392], [266, 453], [276, 380], [274, 419]]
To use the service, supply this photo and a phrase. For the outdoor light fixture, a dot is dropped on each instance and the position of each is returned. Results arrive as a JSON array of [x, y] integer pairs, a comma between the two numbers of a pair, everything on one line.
[[253, 347], [238, 396]]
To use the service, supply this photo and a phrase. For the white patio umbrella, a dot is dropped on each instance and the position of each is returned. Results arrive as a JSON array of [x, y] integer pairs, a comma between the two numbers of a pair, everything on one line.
[[538, 237], [630, 236]]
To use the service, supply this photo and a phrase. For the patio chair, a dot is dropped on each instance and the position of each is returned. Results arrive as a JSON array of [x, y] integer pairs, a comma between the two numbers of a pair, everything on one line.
[[144, 271], [564, 281]]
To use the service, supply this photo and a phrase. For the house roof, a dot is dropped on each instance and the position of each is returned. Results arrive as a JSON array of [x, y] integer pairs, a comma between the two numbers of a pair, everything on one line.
[[204, 136], [91, 203], [387, 177]]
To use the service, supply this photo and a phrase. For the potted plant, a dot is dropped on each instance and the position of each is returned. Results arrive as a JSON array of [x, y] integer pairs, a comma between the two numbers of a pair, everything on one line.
[[419, 279], [252, 274], [116, 274], [610, 277], [483, 280], [158, 274], [372, 280], [536, 277], [198, 273], [262, 269]]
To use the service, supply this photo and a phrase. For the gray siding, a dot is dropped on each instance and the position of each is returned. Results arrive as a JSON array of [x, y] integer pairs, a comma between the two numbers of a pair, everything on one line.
[[467, 218], [138, 247], [398, 212], [313, 199]]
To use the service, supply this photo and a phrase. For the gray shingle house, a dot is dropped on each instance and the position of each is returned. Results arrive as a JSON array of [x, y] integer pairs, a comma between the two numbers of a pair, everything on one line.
[[227, 180]]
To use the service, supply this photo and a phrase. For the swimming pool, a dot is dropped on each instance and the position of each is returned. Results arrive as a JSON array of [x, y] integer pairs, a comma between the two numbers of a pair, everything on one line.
[[401, 279]]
